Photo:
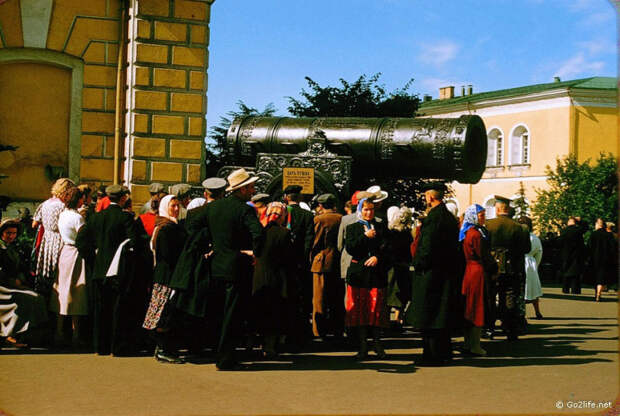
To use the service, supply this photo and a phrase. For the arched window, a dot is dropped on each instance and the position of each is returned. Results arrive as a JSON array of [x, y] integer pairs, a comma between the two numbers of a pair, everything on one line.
[[495, 152], [520, 145], [489, 206], [453, 206]]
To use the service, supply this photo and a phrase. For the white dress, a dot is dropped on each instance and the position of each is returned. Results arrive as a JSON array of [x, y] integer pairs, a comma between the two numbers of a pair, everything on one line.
[[533, 290], [69, 290]]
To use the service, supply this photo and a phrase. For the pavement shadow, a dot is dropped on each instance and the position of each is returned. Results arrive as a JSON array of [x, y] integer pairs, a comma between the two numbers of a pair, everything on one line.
[[582, 297]]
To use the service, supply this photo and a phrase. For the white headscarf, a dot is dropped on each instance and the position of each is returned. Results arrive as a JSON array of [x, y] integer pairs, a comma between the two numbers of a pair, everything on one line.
[[163, 207]]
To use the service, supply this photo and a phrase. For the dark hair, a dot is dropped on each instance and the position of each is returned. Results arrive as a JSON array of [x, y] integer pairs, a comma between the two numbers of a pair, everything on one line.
[[155, 201], [349, 205], [527, 221], [369, 202], [73, 196], [329, 204]]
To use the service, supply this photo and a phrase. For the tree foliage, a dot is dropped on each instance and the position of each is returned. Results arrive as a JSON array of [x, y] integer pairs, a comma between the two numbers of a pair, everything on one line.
[[364, 97], [520, 204], [588, 190], [216, 140]]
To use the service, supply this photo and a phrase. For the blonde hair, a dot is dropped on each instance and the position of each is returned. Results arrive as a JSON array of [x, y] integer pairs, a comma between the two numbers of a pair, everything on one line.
[[60, 188]]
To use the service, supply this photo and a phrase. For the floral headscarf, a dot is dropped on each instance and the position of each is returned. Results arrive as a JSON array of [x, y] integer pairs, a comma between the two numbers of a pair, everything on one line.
[[274, 211], [470, 219]]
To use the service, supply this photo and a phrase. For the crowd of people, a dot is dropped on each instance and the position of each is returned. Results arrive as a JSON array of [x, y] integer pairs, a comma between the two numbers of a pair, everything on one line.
[[233, 269]]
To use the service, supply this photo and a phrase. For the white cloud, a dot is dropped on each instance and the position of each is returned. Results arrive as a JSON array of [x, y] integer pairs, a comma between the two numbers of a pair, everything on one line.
[[596, 46], [578, 65], [438, 53]]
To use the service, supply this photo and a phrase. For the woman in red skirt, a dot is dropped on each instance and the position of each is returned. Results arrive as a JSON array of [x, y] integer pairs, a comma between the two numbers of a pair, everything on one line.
[[367, 278], [479, 265]]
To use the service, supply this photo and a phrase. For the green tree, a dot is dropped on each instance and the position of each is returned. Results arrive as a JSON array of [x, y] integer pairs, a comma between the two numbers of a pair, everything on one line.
[[520, 204], [364, 97], [216, 140], [588, 190]]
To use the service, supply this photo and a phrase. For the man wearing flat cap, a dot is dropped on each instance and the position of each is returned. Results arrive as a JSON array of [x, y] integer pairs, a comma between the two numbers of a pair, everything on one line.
[[214, 189], [235, 235], [183, 192], [301, 224], [103, 235], [327, 287], [510, 242], [434, 285], [154, 189]]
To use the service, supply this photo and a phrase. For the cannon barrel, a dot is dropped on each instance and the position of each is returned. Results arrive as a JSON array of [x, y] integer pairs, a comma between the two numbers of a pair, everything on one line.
[[440, 148]]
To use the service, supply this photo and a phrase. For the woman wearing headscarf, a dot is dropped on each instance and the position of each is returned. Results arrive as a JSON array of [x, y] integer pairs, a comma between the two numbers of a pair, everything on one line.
[[270, 286], [480, 267], [69, 290], [400, 236], [47, 215], [365, 301], [166, 244]]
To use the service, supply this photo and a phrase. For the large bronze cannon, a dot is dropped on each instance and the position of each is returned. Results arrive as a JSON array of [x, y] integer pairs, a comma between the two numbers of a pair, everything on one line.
[[449, 149]]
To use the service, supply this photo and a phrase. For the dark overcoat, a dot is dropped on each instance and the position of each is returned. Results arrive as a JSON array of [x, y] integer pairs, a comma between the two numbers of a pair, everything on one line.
[[231, 226], [168, 243], [603, 257], [361, 249], [302, 233], [105, 233], [436, 263], [572, 251]]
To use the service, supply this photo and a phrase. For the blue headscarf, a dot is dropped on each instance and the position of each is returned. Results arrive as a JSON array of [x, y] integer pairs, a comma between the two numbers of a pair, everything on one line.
[[358, 212], [470, 219]]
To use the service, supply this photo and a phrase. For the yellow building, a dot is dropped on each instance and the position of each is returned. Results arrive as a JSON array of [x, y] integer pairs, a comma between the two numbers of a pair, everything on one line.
[[528, 128], [59, 74]]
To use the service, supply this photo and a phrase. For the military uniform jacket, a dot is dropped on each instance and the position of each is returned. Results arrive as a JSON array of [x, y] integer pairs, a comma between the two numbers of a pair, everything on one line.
[[231, 226], [509, 234], [104, 234], [302, 232], [325, 256], [436, 263]]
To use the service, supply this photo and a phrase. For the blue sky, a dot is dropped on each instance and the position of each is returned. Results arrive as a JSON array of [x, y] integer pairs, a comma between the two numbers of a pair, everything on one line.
[[261, 50]]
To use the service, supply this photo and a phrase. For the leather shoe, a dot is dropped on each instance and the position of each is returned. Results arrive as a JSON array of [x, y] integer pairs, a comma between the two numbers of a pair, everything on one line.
[[164, 357]]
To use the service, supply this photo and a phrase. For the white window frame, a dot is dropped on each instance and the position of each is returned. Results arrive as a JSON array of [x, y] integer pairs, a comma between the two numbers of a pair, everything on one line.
[[489, 206], [524, 150], [499, 149]]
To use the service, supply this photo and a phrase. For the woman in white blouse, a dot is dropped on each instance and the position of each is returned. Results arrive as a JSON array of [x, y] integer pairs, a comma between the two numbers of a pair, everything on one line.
[[69, 290]]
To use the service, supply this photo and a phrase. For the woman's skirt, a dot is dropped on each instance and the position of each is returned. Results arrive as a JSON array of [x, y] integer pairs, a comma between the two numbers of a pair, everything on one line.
[[69, 294], [160, 307], [366, 307], [20, 310], [473, 290], [533, 290]]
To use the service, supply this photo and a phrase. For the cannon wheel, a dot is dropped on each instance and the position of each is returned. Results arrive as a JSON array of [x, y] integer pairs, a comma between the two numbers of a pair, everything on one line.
[[322, 184]]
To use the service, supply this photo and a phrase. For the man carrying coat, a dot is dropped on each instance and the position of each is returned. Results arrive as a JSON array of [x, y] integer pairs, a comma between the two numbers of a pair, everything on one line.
[[103, 235], [434, 290]]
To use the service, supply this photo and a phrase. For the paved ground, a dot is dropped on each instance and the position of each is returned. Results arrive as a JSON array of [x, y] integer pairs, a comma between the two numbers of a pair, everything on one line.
[[568, 363]]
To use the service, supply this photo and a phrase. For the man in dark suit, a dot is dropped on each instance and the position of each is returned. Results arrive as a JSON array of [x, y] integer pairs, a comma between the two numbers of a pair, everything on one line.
[[572, 256], [214, 190], [510, 242], [301, 224], [103, 235], [434, 290], [327, 287], [236, 235]]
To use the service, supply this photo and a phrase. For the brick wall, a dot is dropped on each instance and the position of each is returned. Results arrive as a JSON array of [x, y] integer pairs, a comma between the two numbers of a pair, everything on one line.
[[168, 66]]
